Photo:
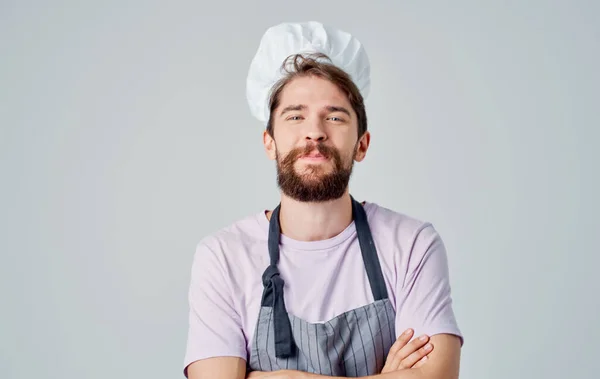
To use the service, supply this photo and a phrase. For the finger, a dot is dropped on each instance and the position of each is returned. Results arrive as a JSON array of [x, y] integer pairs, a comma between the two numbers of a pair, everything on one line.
[[416, 356], [401, 341], [413, 346], [409, 348], [421, 362], [397, 357], [391, 362], [400, 359]]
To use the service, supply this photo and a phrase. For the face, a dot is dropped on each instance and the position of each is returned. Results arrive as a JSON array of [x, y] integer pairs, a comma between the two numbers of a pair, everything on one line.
[[315, 140]]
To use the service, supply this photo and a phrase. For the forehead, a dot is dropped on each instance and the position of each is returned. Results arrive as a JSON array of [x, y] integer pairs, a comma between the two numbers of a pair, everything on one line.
[[312, 91]]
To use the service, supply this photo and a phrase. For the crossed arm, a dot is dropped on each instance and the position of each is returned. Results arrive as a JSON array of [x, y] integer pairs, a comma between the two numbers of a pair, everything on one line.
[[443, 363], [423, 298]]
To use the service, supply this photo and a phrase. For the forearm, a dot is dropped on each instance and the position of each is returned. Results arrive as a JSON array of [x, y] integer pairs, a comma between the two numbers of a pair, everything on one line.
[[413, 373]]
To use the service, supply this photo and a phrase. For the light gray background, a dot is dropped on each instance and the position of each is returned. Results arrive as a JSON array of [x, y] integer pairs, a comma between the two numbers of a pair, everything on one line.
[[125, 138]]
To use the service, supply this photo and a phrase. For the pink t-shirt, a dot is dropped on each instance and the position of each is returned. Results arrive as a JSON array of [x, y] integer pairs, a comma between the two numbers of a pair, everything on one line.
[[323, 279]]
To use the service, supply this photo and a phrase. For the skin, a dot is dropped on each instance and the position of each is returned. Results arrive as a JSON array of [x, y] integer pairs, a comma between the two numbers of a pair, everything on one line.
[[311, 110]]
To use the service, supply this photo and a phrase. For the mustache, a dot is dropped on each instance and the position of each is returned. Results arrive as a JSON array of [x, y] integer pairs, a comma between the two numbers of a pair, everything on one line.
[[329, 152], [324, 150]]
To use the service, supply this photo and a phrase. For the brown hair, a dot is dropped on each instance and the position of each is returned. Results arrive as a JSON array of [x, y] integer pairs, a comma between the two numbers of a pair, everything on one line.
[[308, 65]]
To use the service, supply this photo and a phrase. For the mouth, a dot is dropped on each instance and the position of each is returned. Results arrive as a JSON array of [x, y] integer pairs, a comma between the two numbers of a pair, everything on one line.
[[314, 157]]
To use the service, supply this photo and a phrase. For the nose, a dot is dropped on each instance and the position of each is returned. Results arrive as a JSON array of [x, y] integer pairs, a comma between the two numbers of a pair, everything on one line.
[[315, 131]]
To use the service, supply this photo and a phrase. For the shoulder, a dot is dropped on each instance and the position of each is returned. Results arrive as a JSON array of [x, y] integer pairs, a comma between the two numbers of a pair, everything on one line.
[[228, 243], [404, 240], [389, 223]]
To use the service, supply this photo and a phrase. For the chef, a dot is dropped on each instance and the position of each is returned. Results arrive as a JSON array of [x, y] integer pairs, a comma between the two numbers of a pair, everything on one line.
[[321, 285]]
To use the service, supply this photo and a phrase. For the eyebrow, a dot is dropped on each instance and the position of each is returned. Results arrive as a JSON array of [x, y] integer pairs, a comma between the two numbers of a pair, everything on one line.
[[289, 108], [299, 107], [333, 108]]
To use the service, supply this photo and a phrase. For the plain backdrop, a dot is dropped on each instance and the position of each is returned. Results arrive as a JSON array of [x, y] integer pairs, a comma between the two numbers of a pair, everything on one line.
[[125, 138]]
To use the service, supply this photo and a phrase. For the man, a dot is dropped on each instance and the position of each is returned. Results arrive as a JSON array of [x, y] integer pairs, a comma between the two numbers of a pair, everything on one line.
[[318, 286]]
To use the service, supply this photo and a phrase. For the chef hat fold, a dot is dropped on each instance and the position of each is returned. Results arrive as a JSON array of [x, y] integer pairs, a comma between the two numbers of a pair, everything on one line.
[[281, 41]]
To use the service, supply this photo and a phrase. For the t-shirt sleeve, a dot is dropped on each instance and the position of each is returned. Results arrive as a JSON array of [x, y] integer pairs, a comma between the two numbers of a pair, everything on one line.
[[214, 328], [423, 298]]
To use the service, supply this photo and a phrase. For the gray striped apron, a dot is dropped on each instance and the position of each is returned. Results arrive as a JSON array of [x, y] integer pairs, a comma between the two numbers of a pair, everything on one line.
[[353, 344]]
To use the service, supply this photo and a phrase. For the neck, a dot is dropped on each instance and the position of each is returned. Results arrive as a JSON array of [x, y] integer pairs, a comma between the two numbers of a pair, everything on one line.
[[314, 221]]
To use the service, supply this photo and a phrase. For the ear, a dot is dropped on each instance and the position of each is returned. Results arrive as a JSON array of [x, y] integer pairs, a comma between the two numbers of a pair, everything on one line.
[[269, 143], [363, 146]]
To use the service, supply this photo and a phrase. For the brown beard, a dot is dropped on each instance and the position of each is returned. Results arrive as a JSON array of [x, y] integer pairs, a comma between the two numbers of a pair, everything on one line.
[[313, 185]]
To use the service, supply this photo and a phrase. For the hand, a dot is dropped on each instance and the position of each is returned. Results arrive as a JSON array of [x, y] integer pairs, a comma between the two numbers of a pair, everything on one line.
[[404, 355]]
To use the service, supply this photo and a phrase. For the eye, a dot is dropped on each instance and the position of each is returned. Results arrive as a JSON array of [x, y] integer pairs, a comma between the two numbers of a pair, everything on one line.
[[336, 119], [294, 118]]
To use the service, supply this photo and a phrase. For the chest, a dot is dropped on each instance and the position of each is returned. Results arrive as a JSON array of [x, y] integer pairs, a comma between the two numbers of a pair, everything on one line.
[[319, 286]]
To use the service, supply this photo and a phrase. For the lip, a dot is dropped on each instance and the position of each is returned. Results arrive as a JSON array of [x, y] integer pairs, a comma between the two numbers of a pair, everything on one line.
[[319, 158]]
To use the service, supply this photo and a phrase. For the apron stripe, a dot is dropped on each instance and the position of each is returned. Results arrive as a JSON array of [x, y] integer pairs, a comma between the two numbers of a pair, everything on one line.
[[372, 337], [379, 336], [327, 349], [311, 349], [355, 373], [307, 357], [259, 327], [269, 342], [287, 361], [392, 333], [381, 355], [343, 359], [317, 350], [337, 353], [299, 353], [305, 366], [362, 341], [308, 344]]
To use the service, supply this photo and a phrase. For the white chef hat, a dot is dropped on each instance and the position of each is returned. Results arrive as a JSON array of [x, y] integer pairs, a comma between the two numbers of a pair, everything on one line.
[[283, 40]]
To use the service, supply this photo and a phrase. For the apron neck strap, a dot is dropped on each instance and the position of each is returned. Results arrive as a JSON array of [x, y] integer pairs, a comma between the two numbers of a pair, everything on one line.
[[274, 236], [369, 252]]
